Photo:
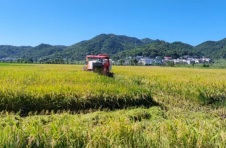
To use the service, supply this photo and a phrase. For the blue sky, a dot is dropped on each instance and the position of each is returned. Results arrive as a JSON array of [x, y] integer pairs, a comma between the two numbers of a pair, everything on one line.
[[66, 22]]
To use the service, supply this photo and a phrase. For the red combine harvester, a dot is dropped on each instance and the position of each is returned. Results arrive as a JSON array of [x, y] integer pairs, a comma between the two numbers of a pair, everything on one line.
[[101, 64]]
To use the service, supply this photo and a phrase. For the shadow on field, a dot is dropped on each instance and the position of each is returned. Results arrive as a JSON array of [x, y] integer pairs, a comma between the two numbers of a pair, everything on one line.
[[209, 97], [26, 104]]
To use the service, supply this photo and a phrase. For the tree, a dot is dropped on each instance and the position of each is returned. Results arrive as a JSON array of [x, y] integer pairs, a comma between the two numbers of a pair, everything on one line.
[[133, 62], [170, 63], [121, 62]]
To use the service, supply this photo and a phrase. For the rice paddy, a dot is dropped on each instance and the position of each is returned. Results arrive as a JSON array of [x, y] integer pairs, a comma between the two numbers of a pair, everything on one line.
[[63, 106]]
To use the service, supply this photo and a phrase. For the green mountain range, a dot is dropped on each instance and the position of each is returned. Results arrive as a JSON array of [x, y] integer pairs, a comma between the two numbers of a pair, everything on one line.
[[7, 50], [117, 46], [103, 43], [213, 49]]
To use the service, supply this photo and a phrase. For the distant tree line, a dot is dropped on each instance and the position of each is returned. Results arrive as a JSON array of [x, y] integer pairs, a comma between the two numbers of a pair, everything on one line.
[[54, 61]]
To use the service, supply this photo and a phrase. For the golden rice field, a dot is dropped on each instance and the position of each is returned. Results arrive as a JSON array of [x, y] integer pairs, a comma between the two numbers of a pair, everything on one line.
[[63, 106]]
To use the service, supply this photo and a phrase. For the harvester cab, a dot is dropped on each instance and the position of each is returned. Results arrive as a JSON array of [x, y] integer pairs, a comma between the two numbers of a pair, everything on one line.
[[101, 64]]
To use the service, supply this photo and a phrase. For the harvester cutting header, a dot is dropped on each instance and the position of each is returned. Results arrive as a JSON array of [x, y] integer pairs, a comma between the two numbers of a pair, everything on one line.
[[101, 64]]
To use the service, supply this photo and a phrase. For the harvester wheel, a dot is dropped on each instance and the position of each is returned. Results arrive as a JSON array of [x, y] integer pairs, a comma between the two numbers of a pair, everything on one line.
[[111, 74]]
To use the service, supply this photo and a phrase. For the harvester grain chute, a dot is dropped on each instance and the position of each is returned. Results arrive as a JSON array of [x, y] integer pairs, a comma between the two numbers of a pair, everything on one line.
[[101, 64]]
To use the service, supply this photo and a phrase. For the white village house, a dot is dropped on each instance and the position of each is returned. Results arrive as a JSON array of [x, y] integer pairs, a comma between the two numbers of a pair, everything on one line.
[[146, 61]]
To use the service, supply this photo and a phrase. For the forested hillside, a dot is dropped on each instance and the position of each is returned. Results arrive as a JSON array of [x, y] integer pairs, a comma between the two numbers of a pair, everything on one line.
[[212, 49], [103, 43], [39, 51], [117, 46], [7, 50], [160, 48]]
